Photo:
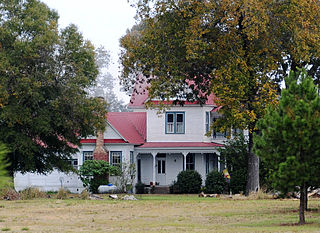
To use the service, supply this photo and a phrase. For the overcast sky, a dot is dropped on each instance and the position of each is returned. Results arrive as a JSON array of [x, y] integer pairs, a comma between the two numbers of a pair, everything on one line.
[[103, 22]]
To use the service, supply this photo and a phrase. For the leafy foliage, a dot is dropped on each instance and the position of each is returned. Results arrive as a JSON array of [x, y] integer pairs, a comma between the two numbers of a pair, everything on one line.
[[215, 182], [94, 173], [126, 177], [105, 83], [189, 181], [235, 155], [44, 108], [238, 50], [140, 188], [289, 137], [4, 177]]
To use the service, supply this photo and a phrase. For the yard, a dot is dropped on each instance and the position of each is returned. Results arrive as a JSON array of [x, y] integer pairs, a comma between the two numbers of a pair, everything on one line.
[[157, 213]]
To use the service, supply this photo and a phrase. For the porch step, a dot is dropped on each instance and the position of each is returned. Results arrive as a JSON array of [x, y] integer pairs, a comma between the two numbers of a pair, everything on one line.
[[161, 190]]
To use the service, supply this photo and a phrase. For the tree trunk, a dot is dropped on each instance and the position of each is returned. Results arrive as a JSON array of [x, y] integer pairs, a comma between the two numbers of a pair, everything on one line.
[[306, 198], [253, 168], [302, 204]]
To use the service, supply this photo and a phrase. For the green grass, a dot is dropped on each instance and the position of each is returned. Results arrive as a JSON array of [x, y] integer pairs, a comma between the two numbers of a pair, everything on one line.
[[158, 213]]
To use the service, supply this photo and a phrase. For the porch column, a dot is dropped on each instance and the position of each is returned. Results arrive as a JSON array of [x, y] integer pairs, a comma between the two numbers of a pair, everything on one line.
[[185, 160], [154, 154], [218, 163]]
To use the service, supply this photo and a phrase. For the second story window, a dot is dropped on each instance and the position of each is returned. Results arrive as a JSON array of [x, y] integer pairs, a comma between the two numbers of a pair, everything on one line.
[[175, 122], [207, 124]]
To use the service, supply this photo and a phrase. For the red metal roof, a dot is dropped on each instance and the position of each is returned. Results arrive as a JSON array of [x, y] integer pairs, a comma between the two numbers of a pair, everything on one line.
[[130, 125], [178, 144], [140, 95], [105, 141]]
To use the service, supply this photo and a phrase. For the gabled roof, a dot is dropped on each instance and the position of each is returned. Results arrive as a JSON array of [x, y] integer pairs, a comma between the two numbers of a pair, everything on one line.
[[130, 125], [140, 95]]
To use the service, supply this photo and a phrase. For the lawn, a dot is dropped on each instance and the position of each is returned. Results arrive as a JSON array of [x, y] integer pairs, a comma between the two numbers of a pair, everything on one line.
[[157, 213]]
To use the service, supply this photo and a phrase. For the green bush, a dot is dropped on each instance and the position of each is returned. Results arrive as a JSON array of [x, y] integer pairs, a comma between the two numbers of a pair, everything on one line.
[[238, 181], [174, 188], [140, 188], [189, 181], [94, 173], [215, 182]]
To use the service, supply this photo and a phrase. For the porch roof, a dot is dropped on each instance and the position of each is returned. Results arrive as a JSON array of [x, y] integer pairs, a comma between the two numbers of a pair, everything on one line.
[[178, 144]]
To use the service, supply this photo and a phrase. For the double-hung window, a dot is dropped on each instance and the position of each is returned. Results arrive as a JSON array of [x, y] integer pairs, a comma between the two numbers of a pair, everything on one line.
[[207, 122], [190, 161], [115, 158], [87, 155], [175, 122], [131, 157]]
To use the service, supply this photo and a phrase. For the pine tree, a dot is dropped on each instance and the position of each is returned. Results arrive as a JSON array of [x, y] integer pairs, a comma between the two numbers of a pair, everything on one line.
[[289, 139]]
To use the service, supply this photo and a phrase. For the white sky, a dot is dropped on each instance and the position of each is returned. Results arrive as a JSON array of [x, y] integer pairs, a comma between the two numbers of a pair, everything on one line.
[[103, 22]]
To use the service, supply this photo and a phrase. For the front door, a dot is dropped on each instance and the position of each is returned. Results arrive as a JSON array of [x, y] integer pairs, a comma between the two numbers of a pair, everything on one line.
[[161, 169]]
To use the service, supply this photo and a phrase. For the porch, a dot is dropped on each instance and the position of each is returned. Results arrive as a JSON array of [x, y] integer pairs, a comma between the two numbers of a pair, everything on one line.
[[160, 166]]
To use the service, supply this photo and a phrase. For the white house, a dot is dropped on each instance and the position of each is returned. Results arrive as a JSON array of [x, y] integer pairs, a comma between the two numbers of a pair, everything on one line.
[[161, 145]]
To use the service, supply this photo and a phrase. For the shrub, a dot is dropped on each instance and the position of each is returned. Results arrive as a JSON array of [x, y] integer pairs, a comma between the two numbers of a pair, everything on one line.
[[140, 188], [238, 181], [8, 193], [189, 181], [94, 173], [62, 194], [174, 188], [32, 193], [215, 182]]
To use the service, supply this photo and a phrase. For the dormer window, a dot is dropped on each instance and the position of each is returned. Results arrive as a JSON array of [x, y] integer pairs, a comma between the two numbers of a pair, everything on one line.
[[175, 122]]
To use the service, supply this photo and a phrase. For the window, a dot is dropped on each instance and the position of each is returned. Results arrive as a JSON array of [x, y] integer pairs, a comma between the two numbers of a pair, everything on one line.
[[115, 158], [131, 157], [175, 122], [237, 132], [207, 122], [87, 155], [190, 161], [218, 134], [73, 163], [162, 166], [207, 163]]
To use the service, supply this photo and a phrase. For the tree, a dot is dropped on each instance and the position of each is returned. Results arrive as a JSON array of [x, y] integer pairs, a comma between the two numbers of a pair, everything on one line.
[[44, 108], [237, 49], [235, 156], [94, 173], [105, 83], [4, 177], [289, 139]]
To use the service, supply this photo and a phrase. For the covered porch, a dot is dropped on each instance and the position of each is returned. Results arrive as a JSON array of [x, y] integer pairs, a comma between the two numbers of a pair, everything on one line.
[[160, 166]]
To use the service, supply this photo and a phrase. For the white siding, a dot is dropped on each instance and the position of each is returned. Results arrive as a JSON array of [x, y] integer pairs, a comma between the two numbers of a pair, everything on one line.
[[146, 168], [174, 166], [51, 182], [194, 125], [110, 133], [55, 180]]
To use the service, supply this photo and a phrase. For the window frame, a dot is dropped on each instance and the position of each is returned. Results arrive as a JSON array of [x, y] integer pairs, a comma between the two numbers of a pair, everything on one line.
[[175, 122], [111, 158], [83, 155], [193, 163], [207, 122], [131, 157]]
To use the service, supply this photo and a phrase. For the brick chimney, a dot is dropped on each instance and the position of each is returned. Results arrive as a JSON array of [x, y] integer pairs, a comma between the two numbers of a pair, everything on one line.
[[100, 152]]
